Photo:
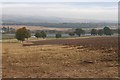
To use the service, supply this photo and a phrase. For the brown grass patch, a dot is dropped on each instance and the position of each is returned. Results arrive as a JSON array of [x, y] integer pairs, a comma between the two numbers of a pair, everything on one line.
[[55, 61]]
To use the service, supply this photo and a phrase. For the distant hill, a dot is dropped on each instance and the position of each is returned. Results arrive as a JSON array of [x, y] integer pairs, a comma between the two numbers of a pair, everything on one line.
[[55, 22]]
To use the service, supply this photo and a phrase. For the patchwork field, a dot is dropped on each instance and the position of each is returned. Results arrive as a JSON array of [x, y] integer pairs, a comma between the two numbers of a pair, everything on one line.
[[36, 27], [61, 58]]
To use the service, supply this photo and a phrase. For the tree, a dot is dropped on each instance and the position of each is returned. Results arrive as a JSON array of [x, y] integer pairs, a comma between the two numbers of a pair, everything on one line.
[[71, 33], [5, 29], [100, 32], [22, 33], [58, 35], [43, 34], [28, 34], [93, 32], [37, 34], [79, 31], [107, 31], [118, 31]]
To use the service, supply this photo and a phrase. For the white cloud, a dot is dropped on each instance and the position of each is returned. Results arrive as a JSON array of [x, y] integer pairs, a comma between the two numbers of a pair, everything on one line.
[[59, 0], [103, 11]]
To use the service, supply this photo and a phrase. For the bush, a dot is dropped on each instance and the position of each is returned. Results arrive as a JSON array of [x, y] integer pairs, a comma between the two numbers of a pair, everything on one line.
[[71, 33], [100, 32], [58, 35], [43, 34], [93, 32], [37, 35], [79, 31], [107, 31]]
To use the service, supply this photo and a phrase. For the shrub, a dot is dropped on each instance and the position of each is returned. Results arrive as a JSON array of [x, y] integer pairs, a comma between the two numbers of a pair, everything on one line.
[[58, 35]]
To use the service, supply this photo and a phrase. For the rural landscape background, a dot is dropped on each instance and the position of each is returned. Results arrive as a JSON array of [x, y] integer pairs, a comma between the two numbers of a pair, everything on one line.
[[60, 40]]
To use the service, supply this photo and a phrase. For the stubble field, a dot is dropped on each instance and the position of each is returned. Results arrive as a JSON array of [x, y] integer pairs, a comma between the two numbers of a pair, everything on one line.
[[47, 59]]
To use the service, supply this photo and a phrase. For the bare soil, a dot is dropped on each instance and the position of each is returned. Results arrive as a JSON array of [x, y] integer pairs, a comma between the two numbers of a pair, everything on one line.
[[70, 59]]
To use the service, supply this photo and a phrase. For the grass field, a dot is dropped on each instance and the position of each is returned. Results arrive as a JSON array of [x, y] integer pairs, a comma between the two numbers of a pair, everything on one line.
[[60, 60]]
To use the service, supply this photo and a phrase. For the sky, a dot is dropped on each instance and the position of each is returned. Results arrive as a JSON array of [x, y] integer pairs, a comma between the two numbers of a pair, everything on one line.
[[63, 8], [59, 0]]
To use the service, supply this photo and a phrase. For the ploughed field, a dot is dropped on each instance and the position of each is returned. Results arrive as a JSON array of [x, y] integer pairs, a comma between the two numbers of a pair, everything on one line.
[[93, 43], [95, 57]]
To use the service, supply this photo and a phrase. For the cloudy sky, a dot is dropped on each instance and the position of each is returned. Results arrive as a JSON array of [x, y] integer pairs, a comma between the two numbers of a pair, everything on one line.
[[78, 10], [59, 0]]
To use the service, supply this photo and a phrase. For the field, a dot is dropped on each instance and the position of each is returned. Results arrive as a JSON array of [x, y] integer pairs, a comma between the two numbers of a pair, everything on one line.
[[84, 58], [93, 43], [36, 27]]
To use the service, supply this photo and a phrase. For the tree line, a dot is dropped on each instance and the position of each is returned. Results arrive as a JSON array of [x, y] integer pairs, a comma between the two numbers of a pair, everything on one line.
[[8, 30], [104, 31], [23, 33]]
